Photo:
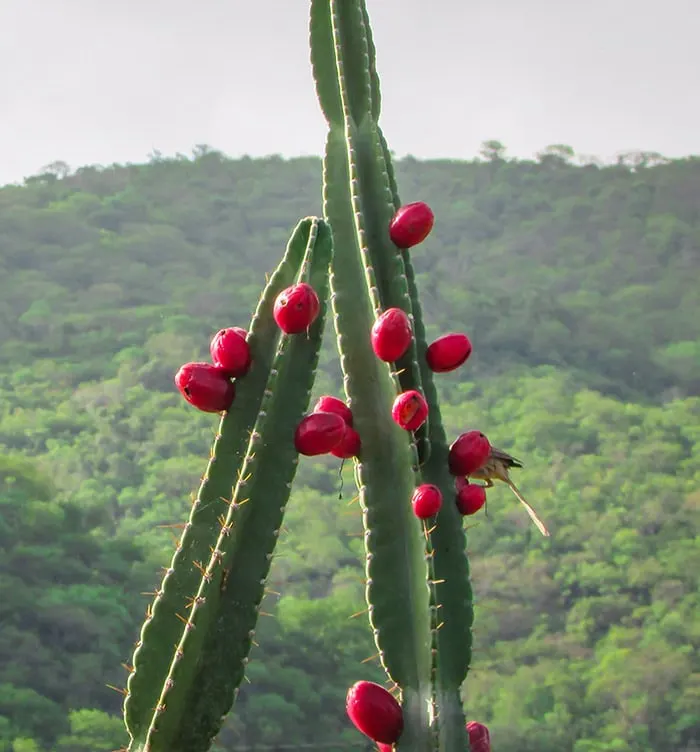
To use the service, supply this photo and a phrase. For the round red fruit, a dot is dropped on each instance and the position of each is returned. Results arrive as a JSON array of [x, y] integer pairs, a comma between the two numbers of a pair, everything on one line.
[[426, 500], [470, 498], [328, 404], [206, 387], [296, 308], [391, 335], [468, 453], [319, 433], [448, 352], [411, 224], [349, 445], [479, 737], [230, 351], [410, 410], [374, 712]]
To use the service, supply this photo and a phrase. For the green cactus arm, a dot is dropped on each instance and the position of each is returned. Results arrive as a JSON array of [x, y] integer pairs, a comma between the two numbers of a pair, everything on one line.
[[343, 58], [349, 62], [451, 566], [397, 591], [267, 474], [450, 562], [163, 627], [209, 662]]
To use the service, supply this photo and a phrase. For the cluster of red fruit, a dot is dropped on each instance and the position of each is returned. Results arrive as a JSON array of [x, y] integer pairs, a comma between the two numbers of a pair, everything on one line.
[[209, 387], [377, 714]]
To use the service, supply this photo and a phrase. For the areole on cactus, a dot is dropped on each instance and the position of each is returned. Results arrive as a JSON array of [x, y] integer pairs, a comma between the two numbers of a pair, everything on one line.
[[194, 644]]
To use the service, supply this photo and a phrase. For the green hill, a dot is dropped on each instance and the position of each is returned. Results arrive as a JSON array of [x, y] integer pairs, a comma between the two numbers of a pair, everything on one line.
[[580, 289]]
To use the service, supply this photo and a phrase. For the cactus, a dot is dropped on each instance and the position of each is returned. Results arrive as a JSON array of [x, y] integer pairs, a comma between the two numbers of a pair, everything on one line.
[[418, 589], [194, 644]]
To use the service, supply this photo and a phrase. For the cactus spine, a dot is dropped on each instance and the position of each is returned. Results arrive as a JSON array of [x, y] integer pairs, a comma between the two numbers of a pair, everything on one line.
[[418, 589]]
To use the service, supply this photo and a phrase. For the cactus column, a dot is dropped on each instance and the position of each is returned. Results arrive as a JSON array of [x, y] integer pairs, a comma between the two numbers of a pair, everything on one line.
[[418, 589], [194, 644]]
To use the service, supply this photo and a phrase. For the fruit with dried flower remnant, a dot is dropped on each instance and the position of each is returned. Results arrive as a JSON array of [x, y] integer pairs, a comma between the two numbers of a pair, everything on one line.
[[468, 453], [296, 308], [411, 224], [470, 498], [230, 351], [374, 712], [410, 410], [448, 352], [479, 737], [328, 404], [319, 433], [426, 501], [206, 387], [349, 445], [391, 335]]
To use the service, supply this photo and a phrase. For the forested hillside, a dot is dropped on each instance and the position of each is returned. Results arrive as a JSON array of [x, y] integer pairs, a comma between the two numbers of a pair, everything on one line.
[[579, 286]]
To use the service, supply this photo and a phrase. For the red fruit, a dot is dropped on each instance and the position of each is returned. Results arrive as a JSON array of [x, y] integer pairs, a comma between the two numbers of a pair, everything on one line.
[[411, 224], [391, 335], [426, 500], [448, 352], [319, 433], [349, 445], [374, 712], [206, 387], [410, 410], [385, 747], [328, 404], [470, 498], [479, 737], [460, 483], [230, 351], [296, 308], [468, 453]]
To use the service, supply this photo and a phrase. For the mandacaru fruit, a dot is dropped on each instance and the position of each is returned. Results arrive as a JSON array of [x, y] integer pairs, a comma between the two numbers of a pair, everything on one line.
[[411, 224], [206, 387], [296, 308], [374, 711], [391, 335]]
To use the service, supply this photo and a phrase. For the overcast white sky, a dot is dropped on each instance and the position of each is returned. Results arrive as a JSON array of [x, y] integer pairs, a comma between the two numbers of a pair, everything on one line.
[[102, 81]]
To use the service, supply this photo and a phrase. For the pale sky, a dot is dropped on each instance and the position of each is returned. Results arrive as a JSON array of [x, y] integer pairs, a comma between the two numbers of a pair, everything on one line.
[[102, 81]]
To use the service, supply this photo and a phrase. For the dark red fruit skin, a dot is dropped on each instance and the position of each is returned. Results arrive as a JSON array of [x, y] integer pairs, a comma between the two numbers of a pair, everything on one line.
[[230, 351], [411, 224], [426, 501], [328, 404], [479, 737], [470, 498], [391, 335], [206, 387], [448, 352], [319, 433], [468, 453], [410, 410], [296, 308], [374, 712], [349, 445]]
